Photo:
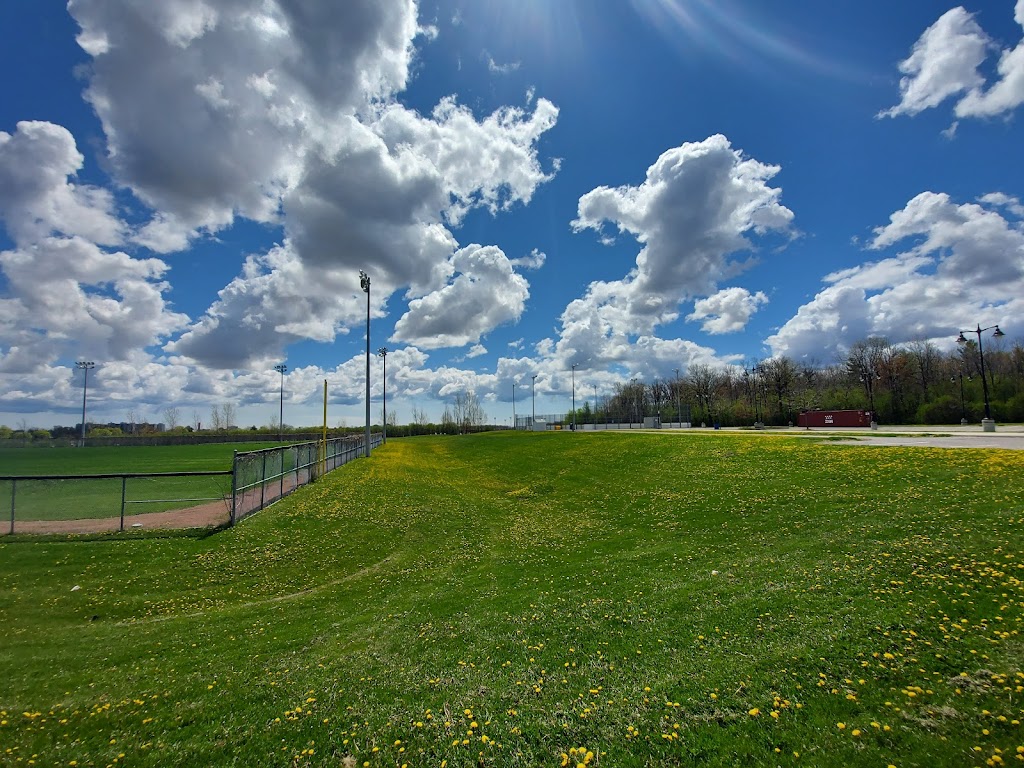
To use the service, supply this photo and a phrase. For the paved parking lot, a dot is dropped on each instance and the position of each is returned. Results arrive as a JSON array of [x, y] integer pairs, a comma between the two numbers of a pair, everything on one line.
[[1009, 436]]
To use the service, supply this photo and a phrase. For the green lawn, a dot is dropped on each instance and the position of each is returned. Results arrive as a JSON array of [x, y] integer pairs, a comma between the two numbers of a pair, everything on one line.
[[532, 599], [74, 499]]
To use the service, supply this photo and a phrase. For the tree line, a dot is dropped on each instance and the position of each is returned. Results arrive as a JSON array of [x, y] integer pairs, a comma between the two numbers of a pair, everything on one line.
[[913, 383]]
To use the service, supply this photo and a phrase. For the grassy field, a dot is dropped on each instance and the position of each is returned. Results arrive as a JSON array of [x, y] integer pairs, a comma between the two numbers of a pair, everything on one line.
[[545, 599], [75, 499]]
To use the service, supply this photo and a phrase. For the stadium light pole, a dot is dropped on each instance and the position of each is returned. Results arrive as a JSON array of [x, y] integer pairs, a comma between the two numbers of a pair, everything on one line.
[[533, 418], [85, 366], [364, 283], [281, 368], [382, 353], [574, 396], [515, 424], [988, 424], [595, 409]]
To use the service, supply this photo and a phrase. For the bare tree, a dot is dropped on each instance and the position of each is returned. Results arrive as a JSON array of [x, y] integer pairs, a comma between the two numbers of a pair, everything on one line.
[[196, 423], [133, 419], [926, 360], [227, 415], [171, 417], [467, 411], [779, 374], [216, 424], [704, 382]]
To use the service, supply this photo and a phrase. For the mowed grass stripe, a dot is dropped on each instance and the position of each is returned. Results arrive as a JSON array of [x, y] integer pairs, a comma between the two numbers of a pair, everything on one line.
[[708, 599]]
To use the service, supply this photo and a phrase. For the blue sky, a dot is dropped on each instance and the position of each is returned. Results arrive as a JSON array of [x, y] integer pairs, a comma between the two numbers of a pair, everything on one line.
[[188, 190]]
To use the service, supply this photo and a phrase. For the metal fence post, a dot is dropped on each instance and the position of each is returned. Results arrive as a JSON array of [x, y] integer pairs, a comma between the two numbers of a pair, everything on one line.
[[234, 487], [263, 483], [124, 488]]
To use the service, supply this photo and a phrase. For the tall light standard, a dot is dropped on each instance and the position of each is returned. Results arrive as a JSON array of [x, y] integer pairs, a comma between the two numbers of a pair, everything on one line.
[[988, 424], [382, 353], [515, 424], [364, 283], [85, 366], [679, 410], [595, 410], [533, 418], [574, 396], [281, 368]]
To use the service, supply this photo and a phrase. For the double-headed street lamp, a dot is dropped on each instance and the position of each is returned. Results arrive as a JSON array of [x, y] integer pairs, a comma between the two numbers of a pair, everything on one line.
[[85, 366], [281, 368], [988, 424], [574, 396], [364, 283], [382, 353]]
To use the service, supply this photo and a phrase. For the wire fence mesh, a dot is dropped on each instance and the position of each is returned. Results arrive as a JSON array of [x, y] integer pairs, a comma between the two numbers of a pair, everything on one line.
[[116, 501], [262, 477]]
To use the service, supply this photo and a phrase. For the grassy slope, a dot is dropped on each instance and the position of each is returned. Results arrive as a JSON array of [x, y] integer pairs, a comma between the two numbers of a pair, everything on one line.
[[562, 590], [62, 500]]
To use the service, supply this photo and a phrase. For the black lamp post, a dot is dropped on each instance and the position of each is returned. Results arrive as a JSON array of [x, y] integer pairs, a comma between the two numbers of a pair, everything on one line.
[[84, 366], [281, 368], [382, 353], [988, 424], [364, 283]]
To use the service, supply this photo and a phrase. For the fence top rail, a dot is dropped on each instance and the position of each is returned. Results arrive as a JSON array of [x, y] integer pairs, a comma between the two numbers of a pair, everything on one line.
[[113, 475], [357, 439]]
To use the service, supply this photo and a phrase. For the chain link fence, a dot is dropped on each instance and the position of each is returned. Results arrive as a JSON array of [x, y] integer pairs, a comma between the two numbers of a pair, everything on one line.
[[262, 477], [116, 501]]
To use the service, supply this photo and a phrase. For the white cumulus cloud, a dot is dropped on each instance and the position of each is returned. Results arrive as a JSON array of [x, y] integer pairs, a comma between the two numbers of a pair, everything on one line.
[[961, 263], [945, 62], [486, 292], [694, 213], [727, 311]]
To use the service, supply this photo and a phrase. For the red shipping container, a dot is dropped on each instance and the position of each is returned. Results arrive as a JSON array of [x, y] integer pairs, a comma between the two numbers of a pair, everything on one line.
[[834, 419]]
